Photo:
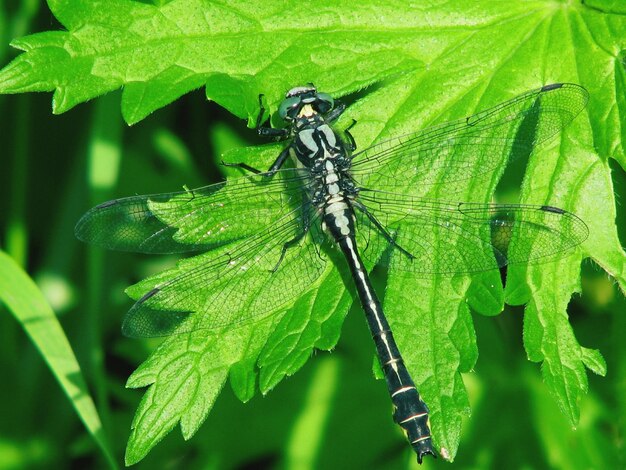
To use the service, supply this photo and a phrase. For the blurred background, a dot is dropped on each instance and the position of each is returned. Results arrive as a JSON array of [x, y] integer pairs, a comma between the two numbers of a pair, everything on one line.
[[53, 168]]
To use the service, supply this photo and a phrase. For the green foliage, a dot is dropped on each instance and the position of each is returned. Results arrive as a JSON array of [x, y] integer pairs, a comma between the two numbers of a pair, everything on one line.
[[426, 65], [22, 297]]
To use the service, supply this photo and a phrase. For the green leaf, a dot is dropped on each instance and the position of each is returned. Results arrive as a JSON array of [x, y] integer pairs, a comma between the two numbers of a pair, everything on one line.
[[24, 299], [486, 294], [439, 62], [594, 361], [187, 373], [314, 322], [159, 53], [607, 6]]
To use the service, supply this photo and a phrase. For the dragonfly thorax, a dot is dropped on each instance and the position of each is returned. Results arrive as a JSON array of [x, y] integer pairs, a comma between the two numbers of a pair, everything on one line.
[[318, 150]]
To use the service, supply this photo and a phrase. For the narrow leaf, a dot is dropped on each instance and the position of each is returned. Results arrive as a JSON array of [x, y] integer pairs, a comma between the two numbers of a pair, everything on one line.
[[22, 297]]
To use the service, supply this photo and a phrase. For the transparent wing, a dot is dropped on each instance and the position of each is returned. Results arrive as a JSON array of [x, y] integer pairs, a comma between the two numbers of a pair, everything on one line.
[[454, 238], [193, 220], [232, 284], [457, 151]]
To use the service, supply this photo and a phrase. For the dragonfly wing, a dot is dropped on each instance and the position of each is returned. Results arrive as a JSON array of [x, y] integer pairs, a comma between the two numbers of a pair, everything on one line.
[[454, 238], [463, 150], [193, 220], [232, 284]]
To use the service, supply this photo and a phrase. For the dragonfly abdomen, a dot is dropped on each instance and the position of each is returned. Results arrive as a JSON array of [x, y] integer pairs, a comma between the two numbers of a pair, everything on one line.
[[319, 150], [411, 413]]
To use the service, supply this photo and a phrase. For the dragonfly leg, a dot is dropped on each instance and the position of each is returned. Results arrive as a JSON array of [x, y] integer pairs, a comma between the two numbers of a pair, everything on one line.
[[280, 160], [267, 131], [259, 118], [351, 141], [334, 113], [382, 229], [291, 243], [273, 132], [295, 240], [243, 166]]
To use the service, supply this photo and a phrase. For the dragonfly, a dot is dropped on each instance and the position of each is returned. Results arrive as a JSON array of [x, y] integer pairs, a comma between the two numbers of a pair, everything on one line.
[[265, 237]]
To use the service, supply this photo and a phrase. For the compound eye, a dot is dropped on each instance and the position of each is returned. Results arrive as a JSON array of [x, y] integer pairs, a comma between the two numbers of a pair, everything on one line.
[[287, 105], [325, 102]]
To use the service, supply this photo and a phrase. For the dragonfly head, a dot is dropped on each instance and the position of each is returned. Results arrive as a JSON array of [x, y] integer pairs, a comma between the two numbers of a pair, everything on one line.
[[304, 101]]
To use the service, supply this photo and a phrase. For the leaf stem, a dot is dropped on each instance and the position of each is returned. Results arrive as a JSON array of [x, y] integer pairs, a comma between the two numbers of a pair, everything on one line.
[[308, 430], [103, 159]]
